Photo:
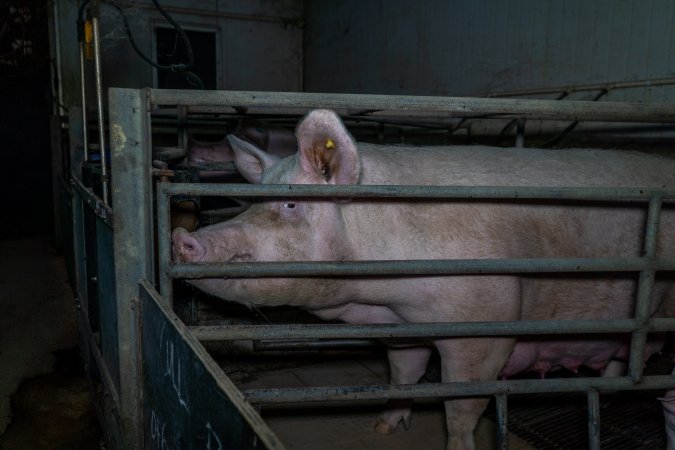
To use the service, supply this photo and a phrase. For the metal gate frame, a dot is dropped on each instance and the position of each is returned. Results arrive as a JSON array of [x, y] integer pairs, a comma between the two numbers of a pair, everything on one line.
[[130, 134]]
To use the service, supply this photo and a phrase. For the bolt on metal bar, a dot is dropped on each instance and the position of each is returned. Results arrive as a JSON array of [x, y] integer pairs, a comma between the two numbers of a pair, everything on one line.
[[644, 292], [455, 389], [502, 422], [420, 105], [413, 191], [421, 330], [593, 420], [414, 267], [99, 102]]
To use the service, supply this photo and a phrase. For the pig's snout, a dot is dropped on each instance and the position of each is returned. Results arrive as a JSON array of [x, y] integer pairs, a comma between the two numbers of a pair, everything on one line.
[[185, 247]]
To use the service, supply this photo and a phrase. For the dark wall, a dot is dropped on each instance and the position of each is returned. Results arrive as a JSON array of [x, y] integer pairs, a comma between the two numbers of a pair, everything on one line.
[[25, 177]]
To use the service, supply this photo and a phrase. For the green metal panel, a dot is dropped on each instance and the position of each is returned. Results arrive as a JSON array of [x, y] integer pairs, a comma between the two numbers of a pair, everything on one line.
[[107, 299], [188, 402]]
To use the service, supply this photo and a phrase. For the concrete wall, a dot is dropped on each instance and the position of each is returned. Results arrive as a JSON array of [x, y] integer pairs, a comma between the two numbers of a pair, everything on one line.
[[468, 47]]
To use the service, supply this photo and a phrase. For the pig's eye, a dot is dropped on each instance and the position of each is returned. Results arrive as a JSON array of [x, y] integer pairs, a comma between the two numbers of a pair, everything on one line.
[[289, 205]]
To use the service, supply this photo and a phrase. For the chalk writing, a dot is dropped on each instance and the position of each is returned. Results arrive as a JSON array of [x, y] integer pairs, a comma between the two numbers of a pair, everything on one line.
[[172, 367], [212, 437], [157, 430]]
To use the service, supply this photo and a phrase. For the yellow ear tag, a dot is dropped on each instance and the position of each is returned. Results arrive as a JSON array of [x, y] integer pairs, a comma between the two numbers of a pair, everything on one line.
[[330, 144]]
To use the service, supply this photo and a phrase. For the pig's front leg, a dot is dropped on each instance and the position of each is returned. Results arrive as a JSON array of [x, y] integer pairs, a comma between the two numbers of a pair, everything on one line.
[[407, 365], [463, 360]]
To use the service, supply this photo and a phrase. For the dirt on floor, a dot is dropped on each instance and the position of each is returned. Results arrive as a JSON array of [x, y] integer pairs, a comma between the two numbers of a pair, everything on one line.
[[45, 402]]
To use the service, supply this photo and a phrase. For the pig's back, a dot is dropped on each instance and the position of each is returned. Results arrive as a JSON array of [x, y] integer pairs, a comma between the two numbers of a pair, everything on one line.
[[492, 166]]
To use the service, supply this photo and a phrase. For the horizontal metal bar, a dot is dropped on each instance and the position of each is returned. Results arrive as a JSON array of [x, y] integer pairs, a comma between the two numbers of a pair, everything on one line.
[[458, 389], [412, 191], [415, 267], [265, 345], [414, 105], [422, 330], [102, 211]]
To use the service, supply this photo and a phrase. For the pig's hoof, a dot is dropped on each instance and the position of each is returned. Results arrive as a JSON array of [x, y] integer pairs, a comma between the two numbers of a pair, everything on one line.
[[388, 421], [383, 427]]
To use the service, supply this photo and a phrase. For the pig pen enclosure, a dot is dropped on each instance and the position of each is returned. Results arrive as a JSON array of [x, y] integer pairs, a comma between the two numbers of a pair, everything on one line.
[[174, 369]]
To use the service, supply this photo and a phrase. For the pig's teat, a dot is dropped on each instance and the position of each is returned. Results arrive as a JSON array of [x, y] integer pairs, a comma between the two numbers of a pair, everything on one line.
[[185, 247]]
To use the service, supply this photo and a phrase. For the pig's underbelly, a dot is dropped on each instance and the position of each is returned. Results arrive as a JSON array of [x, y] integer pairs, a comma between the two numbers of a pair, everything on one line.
[[543, 356]]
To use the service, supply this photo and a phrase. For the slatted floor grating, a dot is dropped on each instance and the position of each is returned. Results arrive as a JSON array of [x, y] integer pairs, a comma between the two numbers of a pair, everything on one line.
[[628, 420]]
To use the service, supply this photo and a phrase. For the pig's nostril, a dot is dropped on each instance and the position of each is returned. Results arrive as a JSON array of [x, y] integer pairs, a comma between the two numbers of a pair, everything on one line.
[[186, 247]]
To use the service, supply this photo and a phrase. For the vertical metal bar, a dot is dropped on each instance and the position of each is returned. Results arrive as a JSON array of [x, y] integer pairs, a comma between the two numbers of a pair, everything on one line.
[[99, 102], [181, 114], [593, 420], [502, 422], [75, 139], [133, 241], [163, 244], [85, 132], [520, 133], [644, 291]]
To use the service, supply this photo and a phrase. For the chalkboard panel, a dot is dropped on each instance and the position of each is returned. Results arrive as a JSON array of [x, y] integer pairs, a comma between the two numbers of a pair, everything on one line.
[[188, 402]]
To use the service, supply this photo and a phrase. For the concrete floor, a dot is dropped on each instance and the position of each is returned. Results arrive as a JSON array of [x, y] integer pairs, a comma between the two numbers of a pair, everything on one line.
[[42, 386]]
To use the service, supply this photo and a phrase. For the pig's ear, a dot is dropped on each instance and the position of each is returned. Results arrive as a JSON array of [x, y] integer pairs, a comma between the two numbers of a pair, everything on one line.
[[250, 160], [327, 151]]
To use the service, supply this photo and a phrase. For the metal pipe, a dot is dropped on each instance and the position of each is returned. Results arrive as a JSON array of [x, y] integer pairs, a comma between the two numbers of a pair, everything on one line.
[[85, 131], [502, 422], [573, 125], [422, 330], [259, 345], [593, 420], [414, 267], [644, 292], [456, 389], [99, 104], [56, 26], [400, 191], [421, 105], [585, 87]]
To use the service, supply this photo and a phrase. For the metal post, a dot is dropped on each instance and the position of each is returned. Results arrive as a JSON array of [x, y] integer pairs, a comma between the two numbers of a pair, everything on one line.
[[99, 104], [644, 292], [163, 243], [85, 132], [593, 420], [133, 240], [502, 422]]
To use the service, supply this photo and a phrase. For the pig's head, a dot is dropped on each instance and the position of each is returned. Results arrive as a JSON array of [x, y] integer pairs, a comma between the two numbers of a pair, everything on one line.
[[291, 229]]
